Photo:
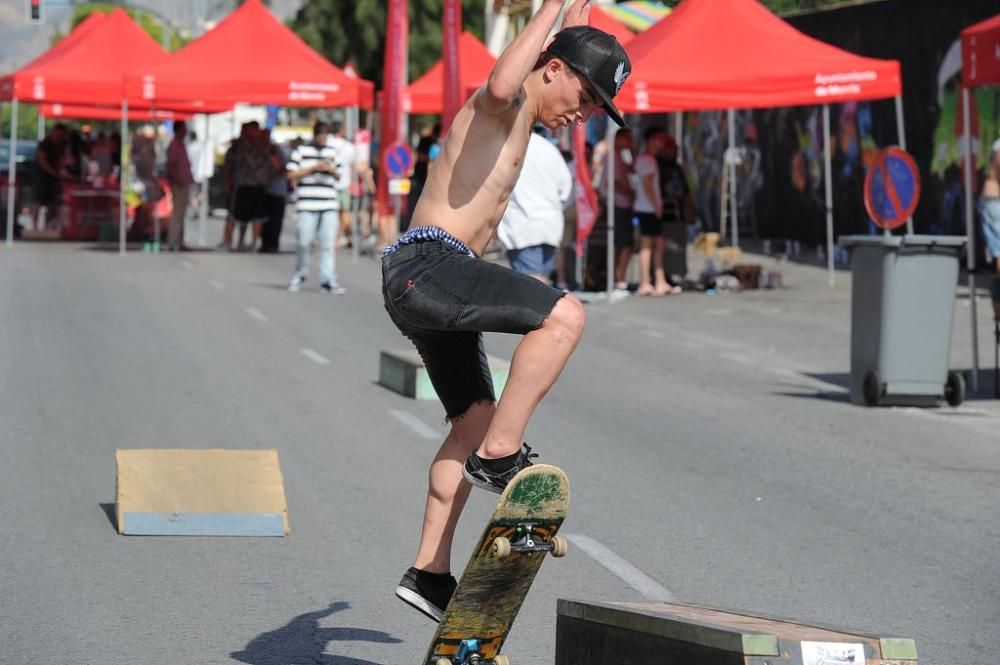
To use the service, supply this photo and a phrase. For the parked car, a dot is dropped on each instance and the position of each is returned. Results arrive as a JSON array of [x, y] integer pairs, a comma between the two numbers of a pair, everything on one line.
[[25, 170], [25, 156]]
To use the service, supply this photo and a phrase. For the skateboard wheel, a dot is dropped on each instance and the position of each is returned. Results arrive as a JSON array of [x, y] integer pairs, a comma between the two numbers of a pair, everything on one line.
[[559, 546], [501, 660], [443, 661], [501, 547]]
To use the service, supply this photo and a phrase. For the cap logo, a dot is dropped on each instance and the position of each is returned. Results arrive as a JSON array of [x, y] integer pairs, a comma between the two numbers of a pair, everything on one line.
[[620, 76]]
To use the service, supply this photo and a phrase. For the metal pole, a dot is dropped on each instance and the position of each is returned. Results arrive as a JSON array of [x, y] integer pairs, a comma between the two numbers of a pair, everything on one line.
[[12, 175], [609, 216], [122, 210], [41, 126], [970, 252], [353, 114], [679, 135], [901, 128], [828, 176], [733, 204], [203, 202]]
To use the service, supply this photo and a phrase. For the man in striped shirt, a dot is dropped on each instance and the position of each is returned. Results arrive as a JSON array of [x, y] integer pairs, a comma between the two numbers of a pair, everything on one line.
[[315, 169]]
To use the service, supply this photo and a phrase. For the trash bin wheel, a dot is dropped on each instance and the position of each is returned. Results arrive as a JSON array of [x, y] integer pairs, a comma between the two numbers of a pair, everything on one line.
[[954, 390], [872, 388]]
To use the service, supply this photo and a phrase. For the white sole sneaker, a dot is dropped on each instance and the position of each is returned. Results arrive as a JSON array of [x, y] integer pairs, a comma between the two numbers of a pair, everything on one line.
[[417, 601]]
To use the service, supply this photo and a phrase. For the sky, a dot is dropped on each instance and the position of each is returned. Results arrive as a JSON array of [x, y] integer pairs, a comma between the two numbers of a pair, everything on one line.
[[21, 41]]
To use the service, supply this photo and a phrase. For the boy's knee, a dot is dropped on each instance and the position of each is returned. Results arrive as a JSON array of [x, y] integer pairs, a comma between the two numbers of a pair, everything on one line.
[[567, 318], [472, 423]]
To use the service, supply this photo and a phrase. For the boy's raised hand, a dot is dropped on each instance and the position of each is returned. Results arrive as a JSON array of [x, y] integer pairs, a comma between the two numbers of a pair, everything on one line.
[[577, 14]]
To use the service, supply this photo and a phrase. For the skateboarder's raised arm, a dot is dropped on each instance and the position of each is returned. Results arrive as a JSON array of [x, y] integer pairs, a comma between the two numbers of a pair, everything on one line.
[[505, 87]]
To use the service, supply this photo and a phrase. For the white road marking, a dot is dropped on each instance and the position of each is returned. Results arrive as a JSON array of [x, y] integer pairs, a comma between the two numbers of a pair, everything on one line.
[[635, 578], [314, 356], [187, 265], [256, 313], [416, 424], [219, 286], [655, 334]]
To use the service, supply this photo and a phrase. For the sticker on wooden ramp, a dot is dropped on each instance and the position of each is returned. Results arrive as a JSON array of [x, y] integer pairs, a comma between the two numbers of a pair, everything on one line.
[[200, 493]]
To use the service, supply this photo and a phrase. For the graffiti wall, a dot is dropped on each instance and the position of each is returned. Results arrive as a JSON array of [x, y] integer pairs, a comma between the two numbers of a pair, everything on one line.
[[922, 35]]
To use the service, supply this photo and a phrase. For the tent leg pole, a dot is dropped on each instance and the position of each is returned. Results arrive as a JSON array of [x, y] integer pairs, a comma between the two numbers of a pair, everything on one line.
[[828, 176], [12, 175], [970, 252], [203, 201], [733, 204], [679, 135], [609, 213], [354, 115], [122, 180], [41, 126], [901, 129]]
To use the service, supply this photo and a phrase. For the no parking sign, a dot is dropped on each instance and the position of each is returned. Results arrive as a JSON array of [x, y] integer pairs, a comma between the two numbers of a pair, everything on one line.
[[892, 188], [397, 160]]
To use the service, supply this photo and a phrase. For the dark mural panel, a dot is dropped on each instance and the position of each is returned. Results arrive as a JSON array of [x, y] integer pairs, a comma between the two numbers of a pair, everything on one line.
[[781, 188]]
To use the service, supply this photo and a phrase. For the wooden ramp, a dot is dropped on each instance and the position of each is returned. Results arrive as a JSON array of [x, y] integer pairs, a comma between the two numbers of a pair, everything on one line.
[[200, 493], [676, 634]]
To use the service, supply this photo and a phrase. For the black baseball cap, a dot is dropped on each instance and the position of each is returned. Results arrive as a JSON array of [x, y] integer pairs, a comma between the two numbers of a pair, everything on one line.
[[599, 58]]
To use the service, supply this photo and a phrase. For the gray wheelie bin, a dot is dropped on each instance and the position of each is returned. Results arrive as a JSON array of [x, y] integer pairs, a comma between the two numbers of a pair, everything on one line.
[[902, 306]]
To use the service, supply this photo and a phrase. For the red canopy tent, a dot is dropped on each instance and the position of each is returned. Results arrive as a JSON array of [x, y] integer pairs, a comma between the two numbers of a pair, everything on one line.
[[75, 35], [981, 53], [86, 69], [249, 57], [90, 69], [980, 66], [426, 94], [81, 112], [729, 54], [723, 54], [601, 20]]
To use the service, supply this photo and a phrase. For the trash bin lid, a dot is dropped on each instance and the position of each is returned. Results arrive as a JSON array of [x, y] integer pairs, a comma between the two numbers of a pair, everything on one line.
[[882, 240]]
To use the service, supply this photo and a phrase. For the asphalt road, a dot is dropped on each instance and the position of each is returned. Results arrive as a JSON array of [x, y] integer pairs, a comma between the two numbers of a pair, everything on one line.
[[712, 453]]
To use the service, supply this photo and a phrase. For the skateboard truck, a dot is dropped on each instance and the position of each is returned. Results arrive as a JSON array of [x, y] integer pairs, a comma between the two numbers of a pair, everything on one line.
[[468, 654], [524, 541]]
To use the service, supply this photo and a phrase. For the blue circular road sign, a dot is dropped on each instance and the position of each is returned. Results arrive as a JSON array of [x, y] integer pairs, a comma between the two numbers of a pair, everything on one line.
[[398, 160]]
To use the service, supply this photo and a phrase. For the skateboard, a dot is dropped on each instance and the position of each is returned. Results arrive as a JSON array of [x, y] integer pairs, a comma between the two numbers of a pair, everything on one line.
[[503, 565]]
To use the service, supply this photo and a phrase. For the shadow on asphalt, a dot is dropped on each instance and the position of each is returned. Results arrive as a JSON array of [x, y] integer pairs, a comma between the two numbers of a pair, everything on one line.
[[303, 640], [109, 512], [271, 285], [988, 379]]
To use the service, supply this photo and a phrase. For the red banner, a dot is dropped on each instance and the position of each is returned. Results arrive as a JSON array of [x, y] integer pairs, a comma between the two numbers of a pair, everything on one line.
[[393, 81], [452, 80], [586, 197]]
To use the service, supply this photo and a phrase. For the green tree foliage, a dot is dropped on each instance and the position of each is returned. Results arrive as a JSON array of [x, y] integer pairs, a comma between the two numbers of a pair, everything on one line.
[[152, 24], [354, 31], [27, 121]]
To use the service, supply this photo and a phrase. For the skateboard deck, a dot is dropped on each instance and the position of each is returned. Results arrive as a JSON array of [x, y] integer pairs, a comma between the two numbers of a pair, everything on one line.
[[503, 565]]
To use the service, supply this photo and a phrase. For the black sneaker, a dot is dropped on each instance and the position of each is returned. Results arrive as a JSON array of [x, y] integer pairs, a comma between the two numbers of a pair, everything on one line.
[[493, 475], [427, 592]]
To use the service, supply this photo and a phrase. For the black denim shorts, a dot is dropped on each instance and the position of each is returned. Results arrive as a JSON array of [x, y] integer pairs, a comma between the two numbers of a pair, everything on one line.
[[443, 299]]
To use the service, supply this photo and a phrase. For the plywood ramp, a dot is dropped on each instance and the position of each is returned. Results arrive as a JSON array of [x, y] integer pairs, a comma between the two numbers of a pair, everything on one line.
[[200, 493]]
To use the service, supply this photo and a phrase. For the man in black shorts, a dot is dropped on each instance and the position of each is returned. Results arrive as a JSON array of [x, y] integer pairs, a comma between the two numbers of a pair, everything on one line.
[[443, 297], [49, 175]]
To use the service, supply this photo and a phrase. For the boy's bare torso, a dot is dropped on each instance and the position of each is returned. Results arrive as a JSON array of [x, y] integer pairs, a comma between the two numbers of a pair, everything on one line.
[[470, 183]]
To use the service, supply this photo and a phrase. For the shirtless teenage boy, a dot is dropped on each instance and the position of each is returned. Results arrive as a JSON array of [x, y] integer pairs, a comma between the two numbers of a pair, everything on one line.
[[443, 297]]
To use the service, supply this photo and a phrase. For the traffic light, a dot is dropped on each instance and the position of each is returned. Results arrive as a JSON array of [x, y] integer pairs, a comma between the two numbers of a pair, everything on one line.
[[35, 11]]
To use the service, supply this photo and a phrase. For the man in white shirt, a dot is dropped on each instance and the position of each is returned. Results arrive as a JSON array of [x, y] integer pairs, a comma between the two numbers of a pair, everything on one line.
[[346, 156], [315, 169], [532, 225], [648, 209]]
